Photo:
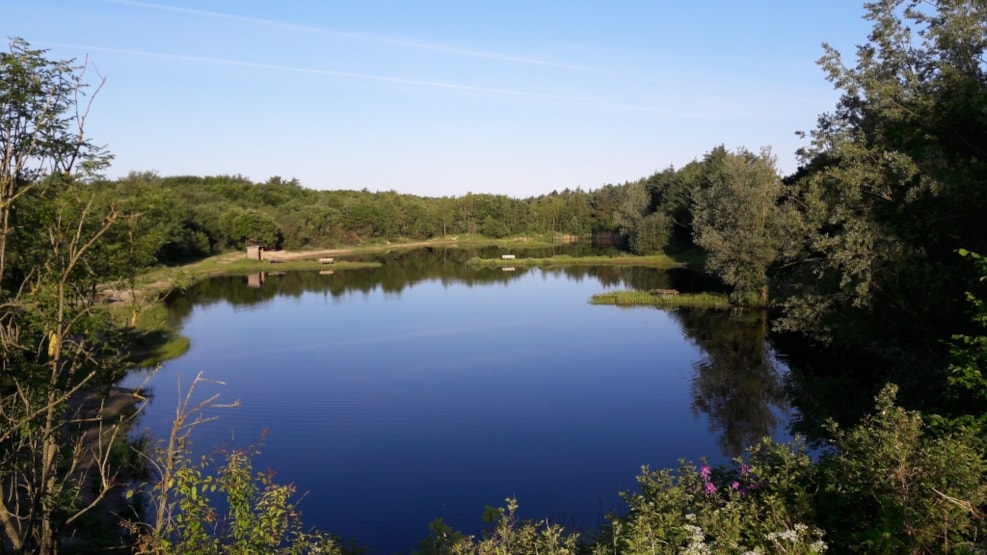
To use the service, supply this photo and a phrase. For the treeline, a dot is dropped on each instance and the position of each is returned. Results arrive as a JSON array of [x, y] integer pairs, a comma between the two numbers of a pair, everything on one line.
[[188, 217]]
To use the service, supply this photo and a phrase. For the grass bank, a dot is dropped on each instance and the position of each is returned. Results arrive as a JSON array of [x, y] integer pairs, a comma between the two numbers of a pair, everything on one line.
[[652, 261], [647, 298]]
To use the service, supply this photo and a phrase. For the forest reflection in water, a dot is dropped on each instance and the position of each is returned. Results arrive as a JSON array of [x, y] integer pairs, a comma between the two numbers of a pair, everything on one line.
[[426, 388]]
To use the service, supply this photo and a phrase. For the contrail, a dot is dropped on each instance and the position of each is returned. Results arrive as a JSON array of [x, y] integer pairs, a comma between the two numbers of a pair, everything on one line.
[[332, 73], [369, 38]]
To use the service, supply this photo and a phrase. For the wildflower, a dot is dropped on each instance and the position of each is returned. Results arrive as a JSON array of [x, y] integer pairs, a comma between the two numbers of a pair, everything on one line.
[[697, 541], [710, 488], [705, 472], [745, 469], [735, 485]]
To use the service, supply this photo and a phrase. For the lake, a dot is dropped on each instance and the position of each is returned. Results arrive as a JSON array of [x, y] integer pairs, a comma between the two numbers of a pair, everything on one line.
[[427, 388]]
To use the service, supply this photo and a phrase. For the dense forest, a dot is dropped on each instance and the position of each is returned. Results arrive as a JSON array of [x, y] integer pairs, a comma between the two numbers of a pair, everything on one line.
[[866, 257]]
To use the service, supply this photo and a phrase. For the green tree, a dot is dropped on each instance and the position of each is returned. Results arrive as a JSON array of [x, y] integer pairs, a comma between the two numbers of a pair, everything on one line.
[[57, 346], [493, 227], [248, 226], [444, 209], [652, 234], [671, 191], [41, 128], [634, 205], [894, 178], [738, 220]]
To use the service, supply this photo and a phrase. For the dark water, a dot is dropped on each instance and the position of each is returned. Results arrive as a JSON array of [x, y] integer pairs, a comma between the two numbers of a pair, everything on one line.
[[427, 389]]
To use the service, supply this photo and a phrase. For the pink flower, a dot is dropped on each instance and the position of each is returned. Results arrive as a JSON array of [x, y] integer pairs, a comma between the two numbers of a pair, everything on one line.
[[735, 484], [710, 488], [705, 472]]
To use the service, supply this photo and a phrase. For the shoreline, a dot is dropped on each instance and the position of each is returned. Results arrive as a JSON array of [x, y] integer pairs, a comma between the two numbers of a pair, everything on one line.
[[163, 279]]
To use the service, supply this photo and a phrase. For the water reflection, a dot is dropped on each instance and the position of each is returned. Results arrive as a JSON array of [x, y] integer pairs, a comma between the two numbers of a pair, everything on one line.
[[478, 384], [403, 269], [738, 382]]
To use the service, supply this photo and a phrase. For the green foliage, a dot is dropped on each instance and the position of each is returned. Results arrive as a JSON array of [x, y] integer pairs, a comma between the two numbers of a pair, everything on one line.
[[442, 539], [759, 506], [258, 515], [969, 359], [229, 509], [41, 129], [652, 234], [656, 261], [58, 348], [507, 534], [243, 227], [738, 220], [634, 202], [886, 486], [494, 228], [890, 487], [893, 181], [646, 298]]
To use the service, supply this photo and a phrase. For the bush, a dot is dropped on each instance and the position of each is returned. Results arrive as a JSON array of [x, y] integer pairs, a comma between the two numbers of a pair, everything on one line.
[[890, 487], [757, 506]]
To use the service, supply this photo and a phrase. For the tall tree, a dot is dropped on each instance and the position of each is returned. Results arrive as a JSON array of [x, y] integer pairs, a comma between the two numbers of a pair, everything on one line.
[[737, 219], [42, 117], [55, 345], [895, 178]]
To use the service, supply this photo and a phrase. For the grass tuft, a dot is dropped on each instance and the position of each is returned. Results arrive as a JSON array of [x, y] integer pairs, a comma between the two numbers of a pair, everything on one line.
[[646, 298]]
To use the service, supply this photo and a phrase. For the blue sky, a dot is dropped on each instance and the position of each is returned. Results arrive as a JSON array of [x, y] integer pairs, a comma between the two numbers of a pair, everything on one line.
[[442, 97]]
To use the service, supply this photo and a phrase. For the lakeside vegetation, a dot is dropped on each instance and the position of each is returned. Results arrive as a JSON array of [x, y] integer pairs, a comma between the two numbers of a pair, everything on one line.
[[650, 298], [653, 261], [867, 254]]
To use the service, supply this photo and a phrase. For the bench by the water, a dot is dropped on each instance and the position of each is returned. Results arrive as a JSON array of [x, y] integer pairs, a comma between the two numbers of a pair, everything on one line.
[[507, 257], [664, 291], [327, 260]]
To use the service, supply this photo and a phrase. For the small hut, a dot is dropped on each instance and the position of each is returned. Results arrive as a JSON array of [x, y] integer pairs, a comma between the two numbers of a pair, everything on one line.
[[255, 252]]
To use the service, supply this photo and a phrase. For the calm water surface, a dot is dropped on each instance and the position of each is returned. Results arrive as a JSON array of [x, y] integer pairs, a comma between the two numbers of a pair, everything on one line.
[[397, 396]]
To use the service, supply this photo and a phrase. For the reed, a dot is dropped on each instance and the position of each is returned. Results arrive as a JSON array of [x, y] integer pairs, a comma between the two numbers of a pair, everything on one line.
[[646, 298], [652, 261]]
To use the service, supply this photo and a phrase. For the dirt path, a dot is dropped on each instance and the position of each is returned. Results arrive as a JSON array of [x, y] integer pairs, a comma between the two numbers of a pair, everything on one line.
[[304, 255]]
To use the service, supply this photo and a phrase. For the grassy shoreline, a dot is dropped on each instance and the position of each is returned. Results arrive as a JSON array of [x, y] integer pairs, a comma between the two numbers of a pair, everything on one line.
[[647, 298], [652, 261]]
